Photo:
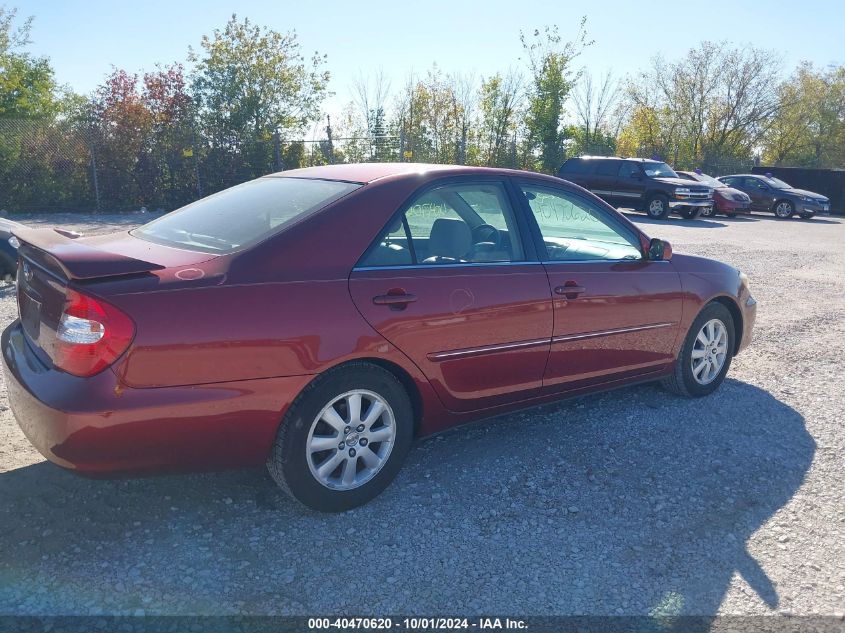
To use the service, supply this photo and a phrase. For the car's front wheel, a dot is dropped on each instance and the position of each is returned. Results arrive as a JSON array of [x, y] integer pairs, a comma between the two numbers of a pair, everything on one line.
[[706, 354], [657, 206], [691, 214], [709, 212], [344, 438]]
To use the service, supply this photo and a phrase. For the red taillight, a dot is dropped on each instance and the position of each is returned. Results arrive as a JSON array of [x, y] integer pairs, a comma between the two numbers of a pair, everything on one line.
[[91, 335]]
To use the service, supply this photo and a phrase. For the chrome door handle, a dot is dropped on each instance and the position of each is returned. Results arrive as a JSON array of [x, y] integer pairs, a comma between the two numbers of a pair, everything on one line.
[[570, 292], [394, 301]]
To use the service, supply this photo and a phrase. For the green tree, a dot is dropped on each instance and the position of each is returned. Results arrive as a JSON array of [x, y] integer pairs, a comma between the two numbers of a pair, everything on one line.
[[597, 116], [27, 85], [250, 83], [809, 129], [499, 99], [255, 80], [713, 105], [550, 61], [430, 113]]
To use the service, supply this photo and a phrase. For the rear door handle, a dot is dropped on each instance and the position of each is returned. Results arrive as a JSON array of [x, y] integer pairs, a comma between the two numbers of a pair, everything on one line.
[[395, 301], [570, 292]]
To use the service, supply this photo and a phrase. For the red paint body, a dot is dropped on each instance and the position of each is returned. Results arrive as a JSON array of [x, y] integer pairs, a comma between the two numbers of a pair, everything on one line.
[[219, 355]]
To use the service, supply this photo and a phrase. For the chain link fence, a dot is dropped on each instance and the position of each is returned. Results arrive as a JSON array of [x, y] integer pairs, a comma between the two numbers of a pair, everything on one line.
[[61, 166]]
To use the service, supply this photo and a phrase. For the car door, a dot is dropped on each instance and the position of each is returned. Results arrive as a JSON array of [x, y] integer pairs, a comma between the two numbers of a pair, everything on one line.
[[616, 314], [629, 184], [451, 283], [760, 193], [603, 179]]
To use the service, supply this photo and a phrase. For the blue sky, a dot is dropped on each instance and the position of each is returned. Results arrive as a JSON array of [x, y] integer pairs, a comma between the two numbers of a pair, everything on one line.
[[85, 38]]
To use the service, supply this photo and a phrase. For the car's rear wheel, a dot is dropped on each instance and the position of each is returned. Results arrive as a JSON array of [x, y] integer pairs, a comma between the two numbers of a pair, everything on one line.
[[344, 438], [706, 354], [657, 206], [691, 213], [807, 215], [784, 209]]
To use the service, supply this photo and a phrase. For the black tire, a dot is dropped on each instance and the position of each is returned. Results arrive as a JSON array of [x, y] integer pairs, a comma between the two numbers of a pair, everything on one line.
[[657, 206], [709, 212], [808, 215], [8, 267], [731, 215], [783, 209], [691, 214], [682, 381], [288, 462]]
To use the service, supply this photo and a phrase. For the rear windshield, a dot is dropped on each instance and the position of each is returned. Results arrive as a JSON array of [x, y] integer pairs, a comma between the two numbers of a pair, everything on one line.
[[243, 215]]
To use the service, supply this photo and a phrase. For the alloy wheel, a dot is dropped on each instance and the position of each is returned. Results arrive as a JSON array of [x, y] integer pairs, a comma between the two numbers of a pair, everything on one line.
[[783, 210], [655, 207], [350, 440], [709, 351]]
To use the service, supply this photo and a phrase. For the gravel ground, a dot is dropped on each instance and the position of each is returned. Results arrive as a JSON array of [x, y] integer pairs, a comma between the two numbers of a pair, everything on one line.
[[632, 502]]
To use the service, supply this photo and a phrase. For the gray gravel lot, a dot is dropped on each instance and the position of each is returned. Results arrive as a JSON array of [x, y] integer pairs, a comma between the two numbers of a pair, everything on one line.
[[633, 502]]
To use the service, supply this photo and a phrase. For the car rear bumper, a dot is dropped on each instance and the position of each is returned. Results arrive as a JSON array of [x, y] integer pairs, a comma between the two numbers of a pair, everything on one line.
[[97, 425]]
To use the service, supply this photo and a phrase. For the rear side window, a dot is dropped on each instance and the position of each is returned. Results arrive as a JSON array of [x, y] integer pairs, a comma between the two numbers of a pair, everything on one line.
[[575, 166], [243, 215], [608, 168], [452, 224]]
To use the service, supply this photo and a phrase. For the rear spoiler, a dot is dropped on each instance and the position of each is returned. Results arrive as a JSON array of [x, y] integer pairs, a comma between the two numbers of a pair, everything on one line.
[[61, 252]]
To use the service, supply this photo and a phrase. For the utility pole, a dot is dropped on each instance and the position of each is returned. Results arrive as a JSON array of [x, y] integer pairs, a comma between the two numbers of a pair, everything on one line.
[[329, 136], [196, 158], [94, 169], [277, 151]]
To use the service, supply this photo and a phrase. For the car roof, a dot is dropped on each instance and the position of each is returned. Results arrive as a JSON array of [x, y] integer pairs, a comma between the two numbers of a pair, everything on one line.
[[369, 172], [639, 160], [744, 176]]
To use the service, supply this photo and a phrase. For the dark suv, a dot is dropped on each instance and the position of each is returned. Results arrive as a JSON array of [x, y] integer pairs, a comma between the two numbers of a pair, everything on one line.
[[645, 185], [773, 194]]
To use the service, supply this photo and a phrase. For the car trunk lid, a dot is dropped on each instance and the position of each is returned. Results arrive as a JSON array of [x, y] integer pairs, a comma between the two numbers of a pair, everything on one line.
[[51, 261]]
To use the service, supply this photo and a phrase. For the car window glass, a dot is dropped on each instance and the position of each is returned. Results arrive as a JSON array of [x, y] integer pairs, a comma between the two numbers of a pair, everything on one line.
[[659, 170], [629, 170], [575, 166], [244, 215], [575, 230], [452, 224], [608, 168], [755, 184]]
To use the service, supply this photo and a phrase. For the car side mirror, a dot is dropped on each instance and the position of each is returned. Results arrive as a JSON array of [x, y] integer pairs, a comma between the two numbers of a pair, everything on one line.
[[659, 250]]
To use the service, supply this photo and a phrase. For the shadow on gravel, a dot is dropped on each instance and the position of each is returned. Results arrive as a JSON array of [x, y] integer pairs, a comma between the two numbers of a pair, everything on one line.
[[628, 502]]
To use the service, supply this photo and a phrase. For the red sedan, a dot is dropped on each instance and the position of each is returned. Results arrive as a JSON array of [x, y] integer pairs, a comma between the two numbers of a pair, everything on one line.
[[320, 319], [727, 200]]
